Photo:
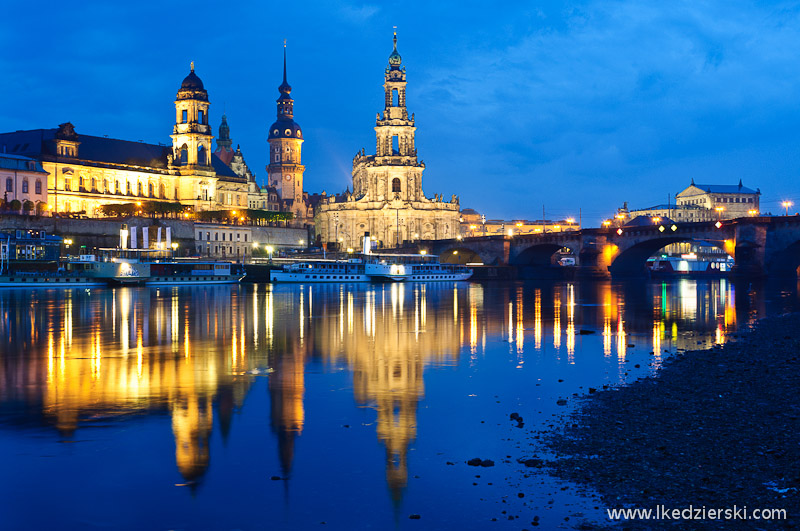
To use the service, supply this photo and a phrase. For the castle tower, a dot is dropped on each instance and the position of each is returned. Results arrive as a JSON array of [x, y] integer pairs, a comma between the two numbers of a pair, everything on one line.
[[285, 168], [191, 136]]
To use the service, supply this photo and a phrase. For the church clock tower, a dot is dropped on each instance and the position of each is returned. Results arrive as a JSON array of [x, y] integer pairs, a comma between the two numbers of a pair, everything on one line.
[[285, 168], [191, 136]]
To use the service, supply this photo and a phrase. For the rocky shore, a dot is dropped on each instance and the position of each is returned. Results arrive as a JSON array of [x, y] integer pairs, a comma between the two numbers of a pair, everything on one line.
[[716, 428]]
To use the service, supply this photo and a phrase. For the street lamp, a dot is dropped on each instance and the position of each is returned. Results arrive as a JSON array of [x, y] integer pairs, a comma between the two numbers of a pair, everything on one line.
[[719, 210], [786, 205], [174, 248], [269, 252]]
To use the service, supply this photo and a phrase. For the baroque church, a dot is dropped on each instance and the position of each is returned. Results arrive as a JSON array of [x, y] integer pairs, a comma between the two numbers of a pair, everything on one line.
[[87, 172], [387, 201]]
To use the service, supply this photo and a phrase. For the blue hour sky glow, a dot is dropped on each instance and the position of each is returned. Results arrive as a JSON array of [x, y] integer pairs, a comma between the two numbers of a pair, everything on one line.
[[579, 105]]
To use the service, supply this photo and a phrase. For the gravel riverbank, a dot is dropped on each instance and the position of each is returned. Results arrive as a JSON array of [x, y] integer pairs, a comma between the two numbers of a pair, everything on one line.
[[716, 428]]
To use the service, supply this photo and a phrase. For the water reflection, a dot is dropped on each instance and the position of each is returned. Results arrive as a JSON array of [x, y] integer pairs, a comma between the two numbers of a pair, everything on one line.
[[79, 357]]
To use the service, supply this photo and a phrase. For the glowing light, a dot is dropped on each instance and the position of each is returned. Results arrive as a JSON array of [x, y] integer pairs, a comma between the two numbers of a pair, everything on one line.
[[571, 221], [674, 228], [786, 205], [423, 252], [661, 228], [718, 224], [656, 219], [619, 231]]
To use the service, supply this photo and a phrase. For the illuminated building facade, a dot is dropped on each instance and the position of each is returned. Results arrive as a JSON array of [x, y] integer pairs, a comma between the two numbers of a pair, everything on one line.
[[25, 180], [87, 172], [387, 199]]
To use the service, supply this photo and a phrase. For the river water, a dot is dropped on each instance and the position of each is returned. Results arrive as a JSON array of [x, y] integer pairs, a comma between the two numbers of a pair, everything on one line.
[[324, 406]]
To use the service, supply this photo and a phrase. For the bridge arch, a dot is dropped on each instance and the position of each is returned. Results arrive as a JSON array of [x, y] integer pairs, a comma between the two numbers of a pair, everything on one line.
[[460, 255], [632, 260], [540, 255], [786, 261]]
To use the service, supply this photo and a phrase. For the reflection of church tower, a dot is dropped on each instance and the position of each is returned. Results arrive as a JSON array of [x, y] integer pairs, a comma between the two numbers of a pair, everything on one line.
[[286, 389], [285, 167], [192, 420]]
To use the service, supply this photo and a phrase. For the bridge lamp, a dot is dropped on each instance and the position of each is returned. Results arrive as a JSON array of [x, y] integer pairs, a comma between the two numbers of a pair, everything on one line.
[[510, 233], [718, 224], [455, 252], [571, 221], [619, 232], [752, 212], [607, 223], [674, 227], [656, 219], [661, 228], [786, 205], [423, 252]]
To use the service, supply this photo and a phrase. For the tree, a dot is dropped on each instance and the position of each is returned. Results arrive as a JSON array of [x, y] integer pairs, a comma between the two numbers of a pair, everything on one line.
[[15, 205], [28, 206]]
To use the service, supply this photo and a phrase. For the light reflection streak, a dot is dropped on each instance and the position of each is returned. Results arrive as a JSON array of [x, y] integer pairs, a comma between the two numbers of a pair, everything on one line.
[[557, 318], [520, 327], [571, 323]]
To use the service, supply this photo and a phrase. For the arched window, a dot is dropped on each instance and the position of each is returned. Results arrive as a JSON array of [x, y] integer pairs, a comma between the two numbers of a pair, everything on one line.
[[38, 187], [184, 154], [395, 185], [162, 191], [9, 185], [184, 116], [139, 188], [105, 186], [24, 186], [150, 189], [395, 98], [94, 184], [201, 156]]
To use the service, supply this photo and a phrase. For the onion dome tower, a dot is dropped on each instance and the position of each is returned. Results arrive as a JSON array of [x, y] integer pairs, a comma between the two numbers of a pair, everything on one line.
[[191, 136]]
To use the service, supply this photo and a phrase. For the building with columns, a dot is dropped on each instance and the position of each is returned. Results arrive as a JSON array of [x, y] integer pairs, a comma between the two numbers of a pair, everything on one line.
[[285, 168], [87, 172], [387, 199]]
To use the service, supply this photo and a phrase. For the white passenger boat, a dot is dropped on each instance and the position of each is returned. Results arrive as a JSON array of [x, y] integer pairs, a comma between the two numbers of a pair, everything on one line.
[[361, 269], [428, 268]]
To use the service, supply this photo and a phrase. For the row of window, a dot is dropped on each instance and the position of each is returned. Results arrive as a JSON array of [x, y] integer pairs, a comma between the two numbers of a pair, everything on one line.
[[734, 199], [37, 186], [216, 236], [108, 187]]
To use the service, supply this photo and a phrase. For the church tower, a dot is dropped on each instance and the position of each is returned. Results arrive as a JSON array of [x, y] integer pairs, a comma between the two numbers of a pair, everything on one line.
[[224, 142], [285, 168], [191, 136]]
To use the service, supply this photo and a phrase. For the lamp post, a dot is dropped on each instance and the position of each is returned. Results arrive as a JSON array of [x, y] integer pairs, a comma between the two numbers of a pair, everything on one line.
[[786, 205], [269, 252], [719, 210], [174, 248]]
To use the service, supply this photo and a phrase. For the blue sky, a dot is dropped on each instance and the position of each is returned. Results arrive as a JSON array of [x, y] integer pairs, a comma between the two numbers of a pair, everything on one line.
[[574, 105]]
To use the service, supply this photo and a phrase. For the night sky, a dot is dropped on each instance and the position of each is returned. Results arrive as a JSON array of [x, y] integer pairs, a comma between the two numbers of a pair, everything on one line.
[[518, 104]]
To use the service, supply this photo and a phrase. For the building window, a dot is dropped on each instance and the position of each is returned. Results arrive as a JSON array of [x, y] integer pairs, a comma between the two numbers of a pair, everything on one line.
[[162, 191], [184, 154], [200, 117], [238, 237], [245, 237], [216, 236], [38, 187], [184, 116], [201, 156], [94, 184], [395, 185], [150, 189], [24, 186], [9, 185], [139, 188]]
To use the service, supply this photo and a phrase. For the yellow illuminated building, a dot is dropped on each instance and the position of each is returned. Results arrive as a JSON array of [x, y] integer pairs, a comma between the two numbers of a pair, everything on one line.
[[87, 172]]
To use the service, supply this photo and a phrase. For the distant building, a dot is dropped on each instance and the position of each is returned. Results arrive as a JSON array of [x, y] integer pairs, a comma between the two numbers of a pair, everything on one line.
[[23, 179], [387, 199], [87, 172], [473, 224], [701, 202]]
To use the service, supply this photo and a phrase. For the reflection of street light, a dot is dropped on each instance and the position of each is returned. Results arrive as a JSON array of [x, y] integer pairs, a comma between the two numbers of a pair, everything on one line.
[[786, 205]]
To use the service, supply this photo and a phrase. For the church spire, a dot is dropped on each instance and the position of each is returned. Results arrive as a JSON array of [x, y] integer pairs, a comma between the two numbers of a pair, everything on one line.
[[285, 88]]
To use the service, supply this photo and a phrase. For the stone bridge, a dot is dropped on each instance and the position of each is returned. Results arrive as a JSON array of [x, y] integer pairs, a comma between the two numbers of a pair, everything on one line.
[[760, 246]]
